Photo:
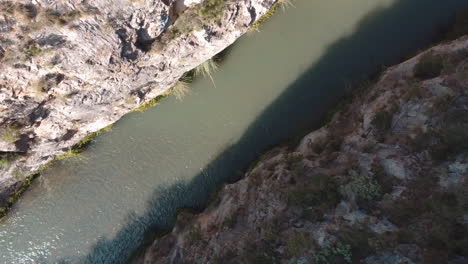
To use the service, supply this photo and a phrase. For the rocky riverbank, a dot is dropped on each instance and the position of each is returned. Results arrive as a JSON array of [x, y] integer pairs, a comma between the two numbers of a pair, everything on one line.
[[383, 182], [71, 68]]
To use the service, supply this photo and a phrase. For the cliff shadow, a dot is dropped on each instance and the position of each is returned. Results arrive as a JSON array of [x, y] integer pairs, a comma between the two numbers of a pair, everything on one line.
[[299, 108]]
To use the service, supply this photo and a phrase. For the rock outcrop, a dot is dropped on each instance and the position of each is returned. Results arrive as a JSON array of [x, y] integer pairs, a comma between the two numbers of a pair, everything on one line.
[[72, 67], [385, 181]]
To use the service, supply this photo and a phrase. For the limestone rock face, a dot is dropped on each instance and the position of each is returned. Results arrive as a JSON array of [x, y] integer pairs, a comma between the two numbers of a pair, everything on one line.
[[383, 182], [72, 67]]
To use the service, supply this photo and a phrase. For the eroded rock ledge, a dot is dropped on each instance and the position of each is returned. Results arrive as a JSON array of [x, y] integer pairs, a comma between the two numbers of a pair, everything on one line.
[[72, 67], [385, 181]]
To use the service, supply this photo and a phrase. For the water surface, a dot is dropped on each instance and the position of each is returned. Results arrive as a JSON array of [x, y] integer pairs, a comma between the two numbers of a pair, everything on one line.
[[272, 85]]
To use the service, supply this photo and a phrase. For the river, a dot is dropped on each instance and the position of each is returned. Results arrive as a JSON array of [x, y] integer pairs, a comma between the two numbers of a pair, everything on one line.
[[273, 85]]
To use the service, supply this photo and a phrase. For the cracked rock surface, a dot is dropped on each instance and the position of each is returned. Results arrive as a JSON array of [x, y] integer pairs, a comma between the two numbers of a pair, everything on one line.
[[72, 67]]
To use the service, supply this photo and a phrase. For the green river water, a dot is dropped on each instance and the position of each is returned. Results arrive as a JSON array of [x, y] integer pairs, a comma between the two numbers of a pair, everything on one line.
[[273, 85]]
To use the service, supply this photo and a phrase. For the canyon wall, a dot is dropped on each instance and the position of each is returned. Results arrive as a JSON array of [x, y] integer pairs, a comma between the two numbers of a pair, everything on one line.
[[69, 68], [384, 181]]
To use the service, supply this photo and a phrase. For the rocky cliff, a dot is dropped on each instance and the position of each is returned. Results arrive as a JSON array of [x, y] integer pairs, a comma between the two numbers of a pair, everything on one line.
[[69, 68], [385, 181]]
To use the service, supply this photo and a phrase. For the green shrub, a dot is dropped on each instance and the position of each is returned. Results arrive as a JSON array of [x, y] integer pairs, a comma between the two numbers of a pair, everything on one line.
[[383, 121], [430, 65], [194, 234], [452, 60], [18, 174], [363, 186], [149, 104], [65, 18], [7, 159], [321, 192], [69, 154], [11, 134], [180, 89], [383, 241], [88, 138], [206, 69], [4, 163], [231, 220], [283, 3], [211, 10], [295, 165], [298, 243], [256, 252], [205, 13], [337, 253], [453, 136], [369, 147], [25, 183], [265, 17], [414, 90], [32, 50], [225, 258], [438, 224], [440, 104]]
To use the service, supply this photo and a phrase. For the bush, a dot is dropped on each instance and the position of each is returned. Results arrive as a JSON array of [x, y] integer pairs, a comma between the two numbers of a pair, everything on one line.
[[265, 17], [18, 174], [36, 18], [383, 241], [414, 90], [383, 121], [297, 243], [453, 136], [363, 186], [231, 220], [440, 104], [206, 68], [6, 159], [63, 19], [225, 258], [194, 234], [453, 60], [4, 163], [180, 89], [456, 137], [258, 253], [429, 66], [151, 103], [205, 13], [32, 50], [211, 10], [270, 13], [10, 134], [322, 191], [337, 253]]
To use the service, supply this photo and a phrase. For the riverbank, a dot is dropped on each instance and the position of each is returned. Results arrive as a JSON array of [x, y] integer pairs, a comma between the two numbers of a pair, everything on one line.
[[272, 85], [79, 67], [383, 181]]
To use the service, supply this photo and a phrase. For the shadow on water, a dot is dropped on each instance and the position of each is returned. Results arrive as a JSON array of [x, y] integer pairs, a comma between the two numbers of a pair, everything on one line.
[[382, 37]]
